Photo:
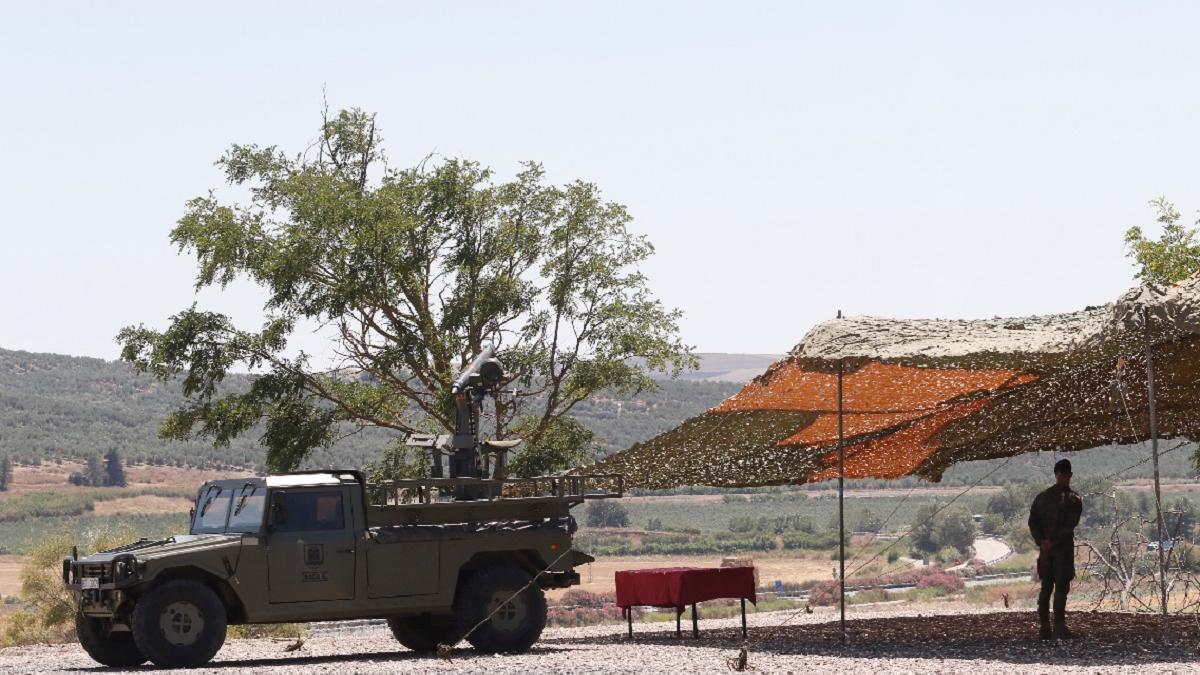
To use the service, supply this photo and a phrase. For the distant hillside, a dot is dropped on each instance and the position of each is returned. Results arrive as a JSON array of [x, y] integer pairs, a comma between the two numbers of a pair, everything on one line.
[[64, 406], [741, 368]]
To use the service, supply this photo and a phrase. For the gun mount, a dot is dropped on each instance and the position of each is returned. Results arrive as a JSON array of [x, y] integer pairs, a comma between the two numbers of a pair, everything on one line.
[[470, 457]]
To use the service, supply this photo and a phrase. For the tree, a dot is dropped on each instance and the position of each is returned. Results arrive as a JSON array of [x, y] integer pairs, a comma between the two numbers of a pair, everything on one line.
[[935, 528], [606, 513], [114, 471], [1173, 257], [94, 474], [924, 529], [415, 269], [5, 472], [563, 443], [955, 528]]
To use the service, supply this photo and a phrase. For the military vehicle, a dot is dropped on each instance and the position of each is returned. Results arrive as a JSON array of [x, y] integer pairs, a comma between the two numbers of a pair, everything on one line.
[[441, 559]]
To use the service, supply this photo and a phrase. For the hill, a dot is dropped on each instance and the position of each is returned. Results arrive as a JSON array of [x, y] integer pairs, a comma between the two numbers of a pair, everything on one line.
[[73, 407], [54, 406]]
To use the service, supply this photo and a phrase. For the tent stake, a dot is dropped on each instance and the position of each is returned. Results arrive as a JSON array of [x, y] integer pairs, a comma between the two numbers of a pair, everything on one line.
[[1162, 561], [841, 500]]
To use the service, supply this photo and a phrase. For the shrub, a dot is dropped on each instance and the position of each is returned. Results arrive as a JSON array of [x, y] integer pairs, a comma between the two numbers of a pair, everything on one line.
[[606, 513], [50, 610]]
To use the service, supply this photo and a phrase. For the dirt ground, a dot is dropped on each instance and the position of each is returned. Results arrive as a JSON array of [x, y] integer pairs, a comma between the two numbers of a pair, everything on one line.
[[948, 638], [10, 574], [141, 504]]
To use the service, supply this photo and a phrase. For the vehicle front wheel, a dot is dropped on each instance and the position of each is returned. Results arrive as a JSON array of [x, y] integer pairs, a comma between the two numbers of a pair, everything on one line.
[[180, 624], [422, 632], [492, 618], [115, 650]]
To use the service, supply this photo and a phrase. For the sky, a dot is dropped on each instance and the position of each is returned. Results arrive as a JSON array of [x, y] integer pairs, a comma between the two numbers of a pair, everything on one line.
[[908, 159]]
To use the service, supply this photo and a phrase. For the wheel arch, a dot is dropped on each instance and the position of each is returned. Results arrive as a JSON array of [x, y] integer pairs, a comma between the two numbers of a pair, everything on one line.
[[234, 607], [527, 560]]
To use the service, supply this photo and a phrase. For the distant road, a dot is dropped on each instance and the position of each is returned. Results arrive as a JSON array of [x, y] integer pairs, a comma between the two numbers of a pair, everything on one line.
[[989, 549]]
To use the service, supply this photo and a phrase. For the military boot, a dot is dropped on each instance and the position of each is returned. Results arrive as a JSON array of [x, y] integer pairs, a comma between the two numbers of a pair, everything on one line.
[[1060, 629], [1045, 633]]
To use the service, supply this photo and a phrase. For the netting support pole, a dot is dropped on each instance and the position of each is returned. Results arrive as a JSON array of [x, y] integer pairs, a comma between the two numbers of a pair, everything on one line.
[[1162, 560], [841, 501]]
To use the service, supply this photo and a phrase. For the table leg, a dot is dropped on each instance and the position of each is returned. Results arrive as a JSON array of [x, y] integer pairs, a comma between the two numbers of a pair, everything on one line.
[[743, 618], [678, 630], [695, 623], [629, 617]]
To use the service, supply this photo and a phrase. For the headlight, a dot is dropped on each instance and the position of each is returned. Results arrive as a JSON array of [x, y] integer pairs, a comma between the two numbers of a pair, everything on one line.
[[121, 570]]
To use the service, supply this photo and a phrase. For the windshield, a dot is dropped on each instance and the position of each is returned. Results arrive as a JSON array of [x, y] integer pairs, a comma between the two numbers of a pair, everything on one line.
[[247, 514], [229, 508], [212, 509]]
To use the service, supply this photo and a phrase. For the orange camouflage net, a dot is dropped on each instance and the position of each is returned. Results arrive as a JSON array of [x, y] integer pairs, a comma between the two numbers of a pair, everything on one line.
[[921, 395]]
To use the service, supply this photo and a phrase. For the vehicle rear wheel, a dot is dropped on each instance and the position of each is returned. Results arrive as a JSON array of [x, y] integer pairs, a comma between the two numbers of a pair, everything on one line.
[[180, 624], [515, 622], [116, 650], [422, 632]]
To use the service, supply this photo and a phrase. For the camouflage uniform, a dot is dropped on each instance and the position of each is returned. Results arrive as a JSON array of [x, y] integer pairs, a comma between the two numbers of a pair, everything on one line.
[[1054, 515]]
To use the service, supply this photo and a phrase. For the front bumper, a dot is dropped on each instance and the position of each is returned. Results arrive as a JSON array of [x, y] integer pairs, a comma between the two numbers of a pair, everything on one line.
[[101, 587]]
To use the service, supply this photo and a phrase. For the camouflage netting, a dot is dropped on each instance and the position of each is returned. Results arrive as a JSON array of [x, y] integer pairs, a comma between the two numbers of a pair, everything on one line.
[[920, 395]]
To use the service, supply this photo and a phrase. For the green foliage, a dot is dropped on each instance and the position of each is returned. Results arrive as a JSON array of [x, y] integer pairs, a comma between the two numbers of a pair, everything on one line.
[[810, 540], [564, 442], [993, 523], [94, 473], [775, 525], [49, 609], [935, 528], [5, 472], [71, 503], [417, 269], [1013, 500], [606, 513], [1171, 258], [114, 470], [398, 462]]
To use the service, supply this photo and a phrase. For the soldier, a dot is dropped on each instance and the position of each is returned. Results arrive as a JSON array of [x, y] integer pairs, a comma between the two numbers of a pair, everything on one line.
[[1052, 521]]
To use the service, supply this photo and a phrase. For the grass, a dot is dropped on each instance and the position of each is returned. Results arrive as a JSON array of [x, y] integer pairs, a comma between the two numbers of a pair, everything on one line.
[[715, 515], [74, 502], [21, 536]]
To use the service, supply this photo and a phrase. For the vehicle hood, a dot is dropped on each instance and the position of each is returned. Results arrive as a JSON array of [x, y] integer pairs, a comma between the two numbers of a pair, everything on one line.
[[181, 544]]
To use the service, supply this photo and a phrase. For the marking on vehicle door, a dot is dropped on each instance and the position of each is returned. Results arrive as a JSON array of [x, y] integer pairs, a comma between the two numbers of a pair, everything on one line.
[[314, 554]]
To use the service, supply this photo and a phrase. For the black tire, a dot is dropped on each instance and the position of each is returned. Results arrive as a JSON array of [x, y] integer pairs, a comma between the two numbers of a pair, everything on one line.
[[515, 626], [423, 633], [180, 624], [115, 651]]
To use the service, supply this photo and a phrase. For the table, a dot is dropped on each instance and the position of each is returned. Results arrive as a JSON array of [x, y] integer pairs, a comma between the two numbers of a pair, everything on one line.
[[678, 587]]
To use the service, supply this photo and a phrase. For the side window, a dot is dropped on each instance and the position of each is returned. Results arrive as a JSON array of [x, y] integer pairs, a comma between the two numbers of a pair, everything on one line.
[[307, 511]]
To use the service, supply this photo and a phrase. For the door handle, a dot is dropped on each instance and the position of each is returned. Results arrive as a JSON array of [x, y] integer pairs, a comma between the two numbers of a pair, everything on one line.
[[345, 550]]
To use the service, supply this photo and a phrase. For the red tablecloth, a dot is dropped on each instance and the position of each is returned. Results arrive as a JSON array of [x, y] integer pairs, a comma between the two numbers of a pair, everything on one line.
[[683, 586]]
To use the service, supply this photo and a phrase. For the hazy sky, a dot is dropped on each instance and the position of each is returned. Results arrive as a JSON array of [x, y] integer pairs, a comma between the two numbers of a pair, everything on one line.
[[787, 160]]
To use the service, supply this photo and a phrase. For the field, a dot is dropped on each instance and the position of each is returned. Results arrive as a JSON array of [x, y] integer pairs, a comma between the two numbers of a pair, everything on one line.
[[714, 512]]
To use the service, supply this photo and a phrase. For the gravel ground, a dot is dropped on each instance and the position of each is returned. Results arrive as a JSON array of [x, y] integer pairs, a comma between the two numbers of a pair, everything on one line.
[[883, 639]]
